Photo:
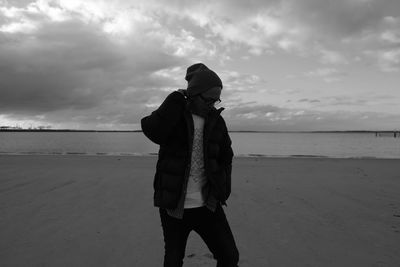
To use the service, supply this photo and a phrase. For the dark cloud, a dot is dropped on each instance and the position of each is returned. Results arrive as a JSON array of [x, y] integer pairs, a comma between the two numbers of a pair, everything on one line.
[[74, 65], [311, 101], [17, 3], [338, 18], [347, 101], [271, 118]]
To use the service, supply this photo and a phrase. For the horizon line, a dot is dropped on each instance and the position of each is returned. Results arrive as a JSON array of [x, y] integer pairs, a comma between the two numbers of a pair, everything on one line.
[[232, 131]]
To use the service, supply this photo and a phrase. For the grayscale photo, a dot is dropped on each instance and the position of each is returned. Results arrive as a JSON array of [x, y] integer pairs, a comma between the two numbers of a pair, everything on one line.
[[145, 133]]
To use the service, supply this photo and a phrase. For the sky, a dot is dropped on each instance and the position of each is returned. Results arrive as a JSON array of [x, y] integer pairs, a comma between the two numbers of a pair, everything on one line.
[[286, 65]]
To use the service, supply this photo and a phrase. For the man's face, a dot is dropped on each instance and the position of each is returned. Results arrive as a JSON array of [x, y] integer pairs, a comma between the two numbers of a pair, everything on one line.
[[212, 95]]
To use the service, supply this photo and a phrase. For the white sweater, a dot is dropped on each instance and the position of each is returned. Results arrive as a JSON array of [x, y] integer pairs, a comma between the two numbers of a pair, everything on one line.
[[197, 178]]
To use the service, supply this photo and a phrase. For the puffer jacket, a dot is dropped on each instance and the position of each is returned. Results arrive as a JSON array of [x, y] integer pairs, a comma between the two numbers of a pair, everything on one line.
[[171, 127]]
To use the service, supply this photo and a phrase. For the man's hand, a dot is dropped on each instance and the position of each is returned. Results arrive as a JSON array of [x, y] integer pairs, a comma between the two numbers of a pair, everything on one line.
[[199, 107], [183, 92]]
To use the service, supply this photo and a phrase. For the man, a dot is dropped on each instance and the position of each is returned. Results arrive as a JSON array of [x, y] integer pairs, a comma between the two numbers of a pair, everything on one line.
[[193, 173]]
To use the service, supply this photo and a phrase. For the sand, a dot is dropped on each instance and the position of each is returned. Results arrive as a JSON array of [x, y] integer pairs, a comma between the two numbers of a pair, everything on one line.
[[98, 211]]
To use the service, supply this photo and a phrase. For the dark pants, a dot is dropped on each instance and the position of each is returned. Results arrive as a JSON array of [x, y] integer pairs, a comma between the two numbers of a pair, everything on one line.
[[212, 227]]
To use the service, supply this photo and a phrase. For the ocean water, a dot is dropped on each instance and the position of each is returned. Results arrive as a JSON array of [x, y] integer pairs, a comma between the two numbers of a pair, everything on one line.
[[336, 145]]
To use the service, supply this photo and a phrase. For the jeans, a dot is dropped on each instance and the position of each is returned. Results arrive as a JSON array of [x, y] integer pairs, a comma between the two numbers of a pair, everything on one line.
[[212, 227]]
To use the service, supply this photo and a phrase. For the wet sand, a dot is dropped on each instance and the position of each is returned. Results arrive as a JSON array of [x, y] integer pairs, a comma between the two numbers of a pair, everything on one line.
[[98, 211]]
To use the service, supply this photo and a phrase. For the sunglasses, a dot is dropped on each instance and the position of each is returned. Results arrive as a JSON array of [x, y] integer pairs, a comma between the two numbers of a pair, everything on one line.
[[210, 100]]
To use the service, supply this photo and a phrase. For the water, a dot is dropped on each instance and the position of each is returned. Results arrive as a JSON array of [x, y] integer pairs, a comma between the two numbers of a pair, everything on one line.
[[337, 145]]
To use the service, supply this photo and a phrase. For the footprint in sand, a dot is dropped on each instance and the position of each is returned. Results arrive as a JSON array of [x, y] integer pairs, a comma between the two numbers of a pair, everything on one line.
[[205, 258], [207, 255]]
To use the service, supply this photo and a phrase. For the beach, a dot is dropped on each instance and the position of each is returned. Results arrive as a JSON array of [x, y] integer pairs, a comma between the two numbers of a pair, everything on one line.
[[75, 210]]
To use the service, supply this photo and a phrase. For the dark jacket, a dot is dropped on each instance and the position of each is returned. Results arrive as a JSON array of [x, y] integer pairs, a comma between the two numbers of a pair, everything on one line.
[[171, 126]]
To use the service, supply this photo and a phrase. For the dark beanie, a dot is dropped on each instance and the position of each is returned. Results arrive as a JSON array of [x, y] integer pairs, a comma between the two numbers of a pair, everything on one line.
[[200, 79]]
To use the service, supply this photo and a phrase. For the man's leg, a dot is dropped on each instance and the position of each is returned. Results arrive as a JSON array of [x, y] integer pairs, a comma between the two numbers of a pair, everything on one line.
[[214, 229], [176, 233]]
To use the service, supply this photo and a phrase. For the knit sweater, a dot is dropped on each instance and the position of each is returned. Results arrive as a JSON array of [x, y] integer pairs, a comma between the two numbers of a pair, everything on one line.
[[194, 196]]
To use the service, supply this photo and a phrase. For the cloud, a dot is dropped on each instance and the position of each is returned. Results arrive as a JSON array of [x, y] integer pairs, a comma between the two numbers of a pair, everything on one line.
[[338, 18], [70, 63], [235, 82], [332, 57], [346, 101], [310, 101], [327, 74], [379, 45], [268, 117], [391, 37], [185, 44], [307, 28], [80, 65], [109, 62], [387, 60]]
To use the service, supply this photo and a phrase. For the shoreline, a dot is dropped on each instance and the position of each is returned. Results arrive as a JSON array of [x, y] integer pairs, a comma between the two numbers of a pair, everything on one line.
[[100, 154], [230, 131]]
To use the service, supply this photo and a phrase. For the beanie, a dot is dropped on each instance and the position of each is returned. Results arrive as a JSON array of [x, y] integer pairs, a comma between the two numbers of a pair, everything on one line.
[[200, 78]]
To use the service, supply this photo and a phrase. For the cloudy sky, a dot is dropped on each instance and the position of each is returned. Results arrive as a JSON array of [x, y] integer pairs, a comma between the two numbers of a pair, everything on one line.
[[285, 64]]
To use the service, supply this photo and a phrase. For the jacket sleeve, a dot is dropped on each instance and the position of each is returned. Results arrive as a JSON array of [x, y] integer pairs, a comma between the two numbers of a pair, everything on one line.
[[161, 122], [226, 147], [226, 155]]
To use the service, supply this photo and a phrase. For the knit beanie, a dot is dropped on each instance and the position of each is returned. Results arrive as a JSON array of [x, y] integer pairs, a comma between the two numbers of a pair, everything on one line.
[[200, 78]]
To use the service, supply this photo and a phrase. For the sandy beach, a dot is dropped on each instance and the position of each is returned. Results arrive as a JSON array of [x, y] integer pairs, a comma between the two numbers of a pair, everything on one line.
[[98, 211]]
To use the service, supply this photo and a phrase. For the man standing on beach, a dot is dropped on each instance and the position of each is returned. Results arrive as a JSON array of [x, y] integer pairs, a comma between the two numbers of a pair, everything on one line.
[[193, 173]]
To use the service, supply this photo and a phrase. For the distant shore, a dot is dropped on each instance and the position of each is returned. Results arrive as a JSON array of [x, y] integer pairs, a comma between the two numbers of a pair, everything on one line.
[[152, 154], [68, 130], [233, 131]]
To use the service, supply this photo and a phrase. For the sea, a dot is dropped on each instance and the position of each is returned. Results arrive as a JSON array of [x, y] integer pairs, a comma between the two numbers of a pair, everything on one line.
[[250, 144]]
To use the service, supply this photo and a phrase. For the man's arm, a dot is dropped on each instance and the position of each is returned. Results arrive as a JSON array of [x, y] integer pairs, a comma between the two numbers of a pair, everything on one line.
[[226, 156], [160, 123]]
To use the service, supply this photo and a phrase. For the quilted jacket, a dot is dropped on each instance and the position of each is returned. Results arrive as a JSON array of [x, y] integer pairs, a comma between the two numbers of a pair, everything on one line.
[[171, 127]]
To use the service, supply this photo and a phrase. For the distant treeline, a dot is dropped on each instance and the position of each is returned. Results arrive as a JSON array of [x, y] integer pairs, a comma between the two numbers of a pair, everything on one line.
[[65, 130]]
